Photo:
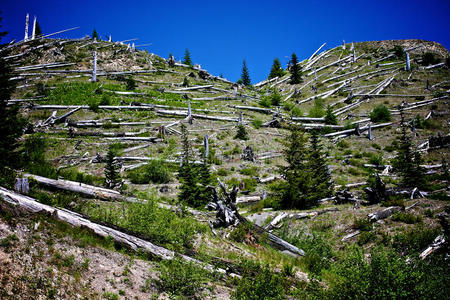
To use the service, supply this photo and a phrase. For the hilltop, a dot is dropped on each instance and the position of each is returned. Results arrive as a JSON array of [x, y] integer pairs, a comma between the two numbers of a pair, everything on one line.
[[136, 106]]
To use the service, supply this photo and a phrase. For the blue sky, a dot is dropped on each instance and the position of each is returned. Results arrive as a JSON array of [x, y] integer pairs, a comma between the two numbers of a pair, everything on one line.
[[220, 34]]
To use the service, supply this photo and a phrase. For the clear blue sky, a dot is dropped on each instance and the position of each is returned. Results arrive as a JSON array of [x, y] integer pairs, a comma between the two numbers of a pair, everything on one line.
[[220, 34]]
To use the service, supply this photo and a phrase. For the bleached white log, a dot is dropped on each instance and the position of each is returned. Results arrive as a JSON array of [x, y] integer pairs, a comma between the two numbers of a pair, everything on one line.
[[195, 87], [350, 235], [58, 32], [252, 108], [309, 59], [361, 76], [264, 82], [438, 242], [434, 66], [26, 27], [76, 220], [33, 33], [331, 64], [383, 214]]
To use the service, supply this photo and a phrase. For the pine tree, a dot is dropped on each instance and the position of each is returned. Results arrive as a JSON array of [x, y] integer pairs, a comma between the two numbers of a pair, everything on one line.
[[295, 70], [194, 179], [295, 189], [245, 76], [112, 176], [38, 31], [187, 58], [407, 161], [95, 35], [241, 133], [276, 70], [11, 123], [320, 177], [330, 117]]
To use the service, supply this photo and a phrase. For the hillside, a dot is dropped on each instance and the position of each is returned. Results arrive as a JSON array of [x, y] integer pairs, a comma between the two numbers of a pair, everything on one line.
[[136, 107]]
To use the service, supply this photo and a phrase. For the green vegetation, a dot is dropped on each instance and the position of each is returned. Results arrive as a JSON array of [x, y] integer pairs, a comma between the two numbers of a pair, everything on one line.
[[380, 113], [112, 172], [147, 219], [179, 278], [276, 70], [241, 133], [408, 162], [195, 179], [154, 171], [11, 122], [245, 76], [330, 117], [429, 58], [95, 35], [295, 70], [187, 58], [306, 176]]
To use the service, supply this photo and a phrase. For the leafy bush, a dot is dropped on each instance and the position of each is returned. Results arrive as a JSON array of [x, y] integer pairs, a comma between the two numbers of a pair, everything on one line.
[[257, 123], [414, 240], [155, 171], [259, 282], [365, 237], [362, 224], [380, 113], [429, 58], [387, 276], [407, 218], [240, 232], [343, 144], [180, 278], [159, 225], [252, 171]]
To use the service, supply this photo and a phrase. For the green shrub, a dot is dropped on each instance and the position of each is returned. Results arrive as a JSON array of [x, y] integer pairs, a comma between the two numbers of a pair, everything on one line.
[[387, 275], [380, 113], [375, 159], [365, 237], [257, 123], [429, 58], [362, 224], [159, 225], [222, 172], [131, 83], [180, 278], [376, 146], [408, 218], [317, 110], [251, 171], [241, 133], [259, 282], [414, 240], [343, 144], [155, 171], [240, 232]]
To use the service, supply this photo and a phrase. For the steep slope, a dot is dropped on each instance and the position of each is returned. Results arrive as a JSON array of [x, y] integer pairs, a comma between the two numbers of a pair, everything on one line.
[[137, 104]]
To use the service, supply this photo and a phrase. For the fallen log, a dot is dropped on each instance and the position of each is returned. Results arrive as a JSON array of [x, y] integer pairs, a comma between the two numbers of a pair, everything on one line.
[[350, 235], [76, 220], [383, 214], [252, 108], [438, 242], [77, 187], [195, 87], [296, 216]]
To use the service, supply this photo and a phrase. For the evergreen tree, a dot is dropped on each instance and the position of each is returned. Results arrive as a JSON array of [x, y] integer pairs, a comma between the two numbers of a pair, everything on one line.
[[194, 179], [95, 35], [38, 31], [241, 133], [295, 70], [320, 178], [112, 176], [295, 189], [11, 123], [187, 58], [276, 70], [330, 117], [407, 162], [245, 76]]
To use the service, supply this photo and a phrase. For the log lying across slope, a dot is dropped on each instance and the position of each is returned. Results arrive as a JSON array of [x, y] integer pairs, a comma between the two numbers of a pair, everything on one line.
[[74, 219]]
